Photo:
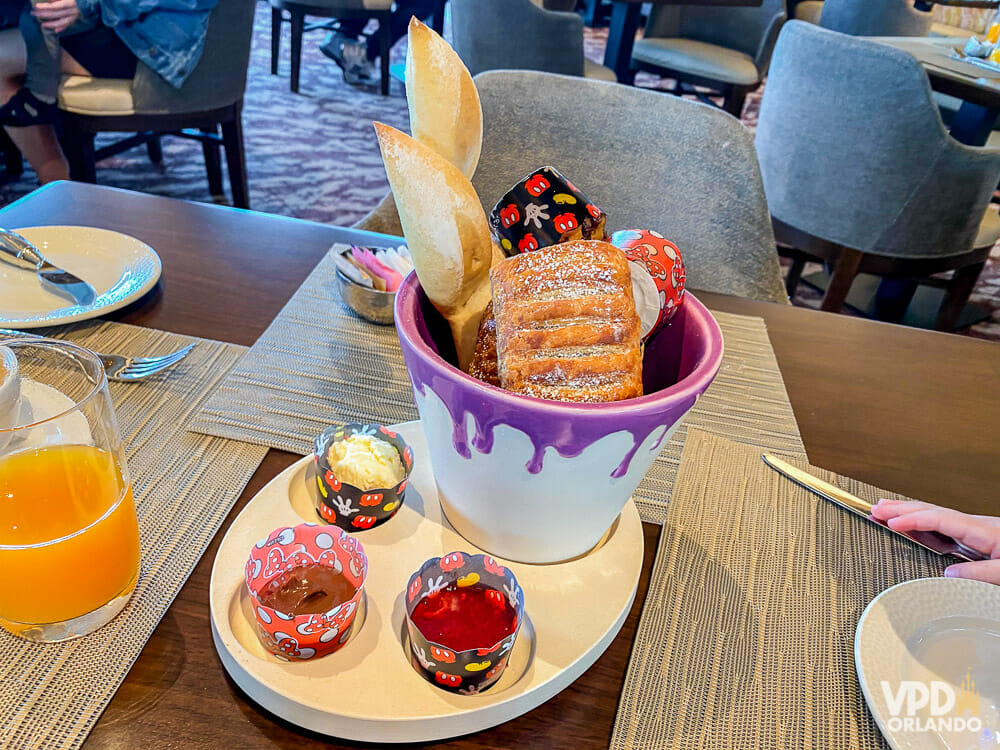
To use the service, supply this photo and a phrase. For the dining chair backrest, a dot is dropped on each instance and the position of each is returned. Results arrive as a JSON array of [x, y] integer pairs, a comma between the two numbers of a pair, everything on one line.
[[650, 161], [875, 18], [491, 34], [751, 30], [852, 149], [218, 80]]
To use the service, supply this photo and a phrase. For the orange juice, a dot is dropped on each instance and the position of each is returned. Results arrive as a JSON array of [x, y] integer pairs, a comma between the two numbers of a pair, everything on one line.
[[69, 541]]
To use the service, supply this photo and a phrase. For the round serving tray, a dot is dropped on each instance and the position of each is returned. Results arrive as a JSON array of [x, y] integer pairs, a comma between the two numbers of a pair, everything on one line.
[[367, 690]]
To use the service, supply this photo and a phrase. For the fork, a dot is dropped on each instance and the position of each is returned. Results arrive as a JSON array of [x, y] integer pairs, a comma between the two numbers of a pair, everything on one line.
[[127, 369], [120, 368]]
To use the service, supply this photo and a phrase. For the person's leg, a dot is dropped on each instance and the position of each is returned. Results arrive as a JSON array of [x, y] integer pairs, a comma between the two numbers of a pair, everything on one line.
[[44, 54], [347, 34], [12, 62], [71, 67], [37, 56], [405, 9], [38, 143], [100, 51], [347, 47], [352, 27]]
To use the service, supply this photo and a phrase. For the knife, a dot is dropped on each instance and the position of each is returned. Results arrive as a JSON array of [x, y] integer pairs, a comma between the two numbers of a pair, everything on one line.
[[17, 251], [932, 540]]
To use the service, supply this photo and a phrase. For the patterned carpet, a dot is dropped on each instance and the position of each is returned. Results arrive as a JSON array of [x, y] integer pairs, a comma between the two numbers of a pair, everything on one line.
[[314, 155]]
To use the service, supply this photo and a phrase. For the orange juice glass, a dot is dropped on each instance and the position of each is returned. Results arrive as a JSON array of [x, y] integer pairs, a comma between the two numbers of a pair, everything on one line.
[[69, 539]]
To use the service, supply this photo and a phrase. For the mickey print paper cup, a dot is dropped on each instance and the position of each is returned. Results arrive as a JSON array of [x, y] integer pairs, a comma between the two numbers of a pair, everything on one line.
[[349, 507], [306, 636], [542, 209], [663, 262], [463, 614]]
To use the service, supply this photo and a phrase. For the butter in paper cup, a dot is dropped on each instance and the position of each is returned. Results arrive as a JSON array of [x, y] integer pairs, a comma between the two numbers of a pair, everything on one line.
[[352, 508]]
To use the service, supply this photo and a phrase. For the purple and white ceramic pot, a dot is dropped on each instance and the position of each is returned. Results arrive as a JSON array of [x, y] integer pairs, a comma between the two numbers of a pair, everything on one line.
[[541, 481]]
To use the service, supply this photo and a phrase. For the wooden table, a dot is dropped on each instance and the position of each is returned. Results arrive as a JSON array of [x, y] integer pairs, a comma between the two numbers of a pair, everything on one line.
[[914, 411], [625, 23], [977, 87], [929, 4]]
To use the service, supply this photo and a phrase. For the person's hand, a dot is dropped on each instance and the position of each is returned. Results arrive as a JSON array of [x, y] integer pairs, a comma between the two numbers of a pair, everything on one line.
[[56, 15], [981, 533]]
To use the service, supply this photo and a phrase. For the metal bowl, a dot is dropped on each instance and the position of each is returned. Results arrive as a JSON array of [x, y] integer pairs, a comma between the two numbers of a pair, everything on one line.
[[370, 304]]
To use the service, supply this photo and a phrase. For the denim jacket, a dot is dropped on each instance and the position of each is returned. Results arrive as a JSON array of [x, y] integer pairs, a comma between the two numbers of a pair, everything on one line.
[[167, 35]]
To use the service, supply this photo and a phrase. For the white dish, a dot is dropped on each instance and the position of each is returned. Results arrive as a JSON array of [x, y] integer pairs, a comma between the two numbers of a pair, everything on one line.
[[368, 690], [942, 634], [980, 62], [119, 267]]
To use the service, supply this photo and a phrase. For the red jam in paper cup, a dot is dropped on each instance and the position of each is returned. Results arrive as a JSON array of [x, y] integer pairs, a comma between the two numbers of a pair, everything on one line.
[[305, 584], [349, 506], [662, 261], [463, 613]]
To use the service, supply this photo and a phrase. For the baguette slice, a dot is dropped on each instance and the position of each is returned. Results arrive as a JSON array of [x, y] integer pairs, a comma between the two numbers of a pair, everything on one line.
[[566, 324], [445, 112], [446, 232]]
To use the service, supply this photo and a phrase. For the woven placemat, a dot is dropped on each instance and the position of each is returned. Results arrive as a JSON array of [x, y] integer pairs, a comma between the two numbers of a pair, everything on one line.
[[318, 364], [746, 639], [185, 484], [746, 402]]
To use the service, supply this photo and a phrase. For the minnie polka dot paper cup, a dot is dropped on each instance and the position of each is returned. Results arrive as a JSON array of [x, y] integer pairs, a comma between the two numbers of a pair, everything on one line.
[[664, 267], [463, 614], [542, 209], [305, 636], [352, 508]]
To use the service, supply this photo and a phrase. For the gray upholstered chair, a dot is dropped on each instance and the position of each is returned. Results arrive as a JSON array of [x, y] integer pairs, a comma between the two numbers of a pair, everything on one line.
[[875, 18], [212, 96], [649, 161], [725, 48], [521, 34], [859, 170]]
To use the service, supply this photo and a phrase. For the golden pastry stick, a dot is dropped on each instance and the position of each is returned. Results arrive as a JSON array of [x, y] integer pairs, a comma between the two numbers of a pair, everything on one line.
[[446, 232], [445, 113]]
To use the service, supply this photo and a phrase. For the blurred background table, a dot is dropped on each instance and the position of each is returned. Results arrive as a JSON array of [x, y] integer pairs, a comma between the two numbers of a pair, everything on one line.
[[913, 411], [928, 4], [978, 87]]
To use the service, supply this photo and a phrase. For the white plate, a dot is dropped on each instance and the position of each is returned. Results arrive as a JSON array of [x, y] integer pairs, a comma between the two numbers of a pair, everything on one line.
[[368, 690], [942, 634], [119, 267]]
